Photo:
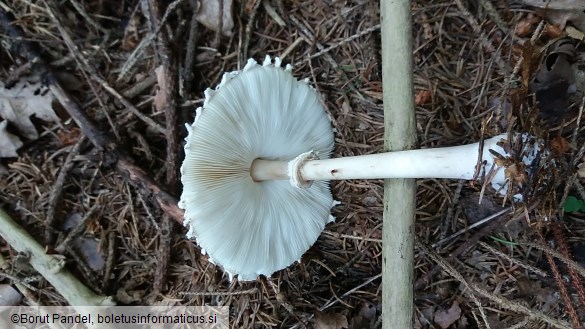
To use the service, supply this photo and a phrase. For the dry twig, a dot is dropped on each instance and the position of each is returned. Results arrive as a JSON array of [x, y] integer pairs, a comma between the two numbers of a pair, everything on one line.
[[122, 162]]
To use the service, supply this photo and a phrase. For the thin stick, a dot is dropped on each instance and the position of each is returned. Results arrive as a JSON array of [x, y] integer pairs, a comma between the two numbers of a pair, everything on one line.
[[137, 53], [187, 73], [219, 293], [51, 267], [56, 193], [399, 194], [501, 301], [166, 96], [135, 175], [85, 64], [472, 226]]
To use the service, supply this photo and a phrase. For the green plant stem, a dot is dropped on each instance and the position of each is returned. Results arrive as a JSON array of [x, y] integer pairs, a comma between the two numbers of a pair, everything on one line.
[[399, 194]]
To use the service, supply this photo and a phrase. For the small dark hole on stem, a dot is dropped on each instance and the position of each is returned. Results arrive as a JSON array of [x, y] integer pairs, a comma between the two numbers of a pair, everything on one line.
[[334, 171]]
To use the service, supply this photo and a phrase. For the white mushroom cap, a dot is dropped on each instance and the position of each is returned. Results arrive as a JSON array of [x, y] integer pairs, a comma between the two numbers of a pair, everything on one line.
[[247, 227]]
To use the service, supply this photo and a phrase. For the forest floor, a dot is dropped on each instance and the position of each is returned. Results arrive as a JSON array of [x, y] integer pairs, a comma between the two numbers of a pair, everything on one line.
[[476, 73]]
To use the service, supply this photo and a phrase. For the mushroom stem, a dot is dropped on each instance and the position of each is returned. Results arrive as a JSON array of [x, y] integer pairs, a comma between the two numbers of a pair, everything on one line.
[[456, 162]]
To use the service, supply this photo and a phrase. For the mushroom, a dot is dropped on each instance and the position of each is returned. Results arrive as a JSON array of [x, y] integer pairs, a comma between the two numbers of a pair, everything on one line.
[[257, 164]]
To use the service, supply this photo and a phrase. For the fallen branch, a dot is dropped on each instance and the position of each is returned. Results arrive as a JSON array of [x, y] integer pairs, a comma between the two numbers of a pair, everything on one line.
[[51, 267]]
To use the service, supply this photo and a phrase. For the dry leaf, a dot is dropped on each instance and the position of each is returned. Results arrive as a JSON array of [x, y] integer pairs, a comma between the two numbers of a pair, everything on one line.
[[575, 34], [69, 136], [556, 4], [552, 31], [208, 14], [526, 26], [560, 145], [446, 318], [86, 247], [531, 60], [562, 11], [8, 142], [555, 81], [23, 100], [329, 321], [423, 97]]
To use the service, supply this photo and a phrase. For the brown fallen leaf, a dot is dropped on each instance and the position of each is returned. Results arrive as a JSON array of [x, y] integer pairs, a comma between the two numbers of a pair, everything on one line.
[[552, 31], [560, 146], [329, 321], [423, 97], [209, 15], [526, 26], [69, 136], [446, 318], [531, 60]]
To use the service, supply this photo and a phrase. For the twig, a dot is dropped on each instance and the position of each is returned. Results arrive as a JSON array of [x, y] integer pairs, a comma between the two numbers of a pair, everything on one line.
[[310, 39], [502, 302], [77, 230], [137, 53], [273, 14], [569, 262], [79, 8], [492, 12], [189, 62], [474, 225], [56, 192], [561, 285], [333, 300], [512, 259], [461, 249], [562, 245], [50, 266], [138, 87], [135, 175], [167, 81], [249, 26], [90, 276], [110, 261], [451, 209], [484, 40], [219, 293], [340, 43], [163, 256], [96, 77]]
